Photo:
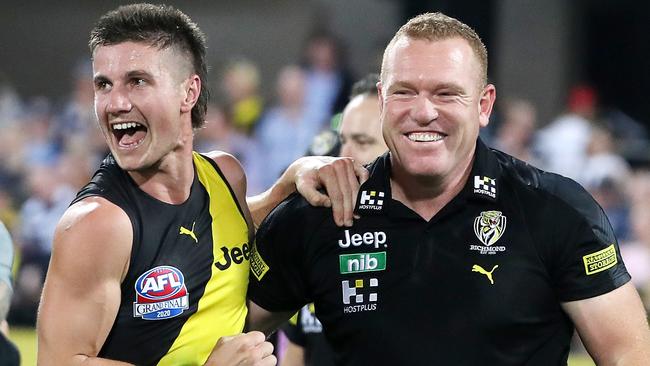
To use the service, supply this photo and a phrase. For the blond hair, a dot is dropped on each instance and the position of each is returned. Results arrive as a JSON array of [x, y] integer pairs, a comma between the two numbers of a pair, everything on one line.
[[436, 27]]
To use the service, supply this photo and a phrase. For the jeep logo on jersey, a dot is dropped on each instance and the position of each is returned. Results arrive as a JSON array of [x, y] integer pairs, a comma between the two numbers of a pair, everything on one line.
[[485, 186], [362, 262], [489, 226], [160, 294], [375, 238], [235, 255], [360, 295], [371, 200]]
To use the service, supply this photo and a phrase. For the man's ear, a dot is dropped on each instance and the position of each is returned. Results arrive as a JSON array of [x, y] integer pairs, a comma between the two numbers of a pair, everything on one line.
[[485, 104], [192, 90]]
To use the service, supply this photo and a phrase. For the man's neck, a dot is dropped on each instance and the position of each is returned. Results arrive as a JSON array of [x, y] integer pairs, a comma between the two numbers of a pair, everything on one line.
[[170, 180], [427, 195]]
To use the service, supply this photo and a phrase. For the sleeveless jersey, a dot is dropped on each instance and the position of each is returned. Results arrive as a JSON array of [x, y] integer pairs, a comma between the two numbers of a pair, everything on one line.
[[188, 274]]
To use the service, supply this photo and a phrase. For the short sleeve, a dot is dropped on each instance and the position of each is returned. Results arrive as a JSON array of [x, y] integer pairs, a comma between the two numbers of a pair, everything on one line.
[[586, 260], [277, 279]]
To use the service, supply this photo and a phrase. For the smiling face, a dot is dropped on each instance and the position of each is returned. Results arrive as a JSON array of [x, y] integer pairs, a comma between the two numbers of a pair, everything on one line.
[[143, 100], [432, 105]]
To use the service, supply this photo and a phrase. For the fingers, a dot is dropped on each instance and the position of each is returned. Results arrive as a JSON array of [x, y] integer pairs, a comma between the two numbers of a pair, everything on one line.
[[247, 349], [340, 177], [362, 175], [340, 181]]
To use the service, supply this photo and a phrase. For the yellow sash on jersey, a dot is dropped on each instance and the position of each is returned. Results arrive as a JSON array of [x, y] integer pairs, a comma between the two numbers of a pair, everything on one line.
[[222, 308]]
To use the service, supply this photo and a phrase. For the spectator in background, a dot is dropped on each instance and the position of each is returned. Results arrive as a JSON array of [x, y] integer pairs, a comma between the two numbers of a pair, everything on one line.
[[8, 212], [602, 160], [563, 143], [241, 83], [287, 128], [40, 148], [9, 355], [636, 250], [10, 105], [604, 175], [48, 199], [218, 133], [328, 80], [76, 122], [515, 133]]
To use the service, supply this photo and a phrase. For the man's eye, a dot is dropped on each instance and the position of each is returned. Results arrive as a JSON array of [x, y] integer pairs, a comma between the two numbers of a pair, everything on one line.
[[101, 85], [138, 81]]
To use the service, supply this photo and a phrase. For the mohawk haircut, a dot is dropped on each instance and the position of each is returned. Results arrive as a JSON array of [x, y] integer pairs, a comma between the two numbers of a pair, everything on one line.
[[161, 26]]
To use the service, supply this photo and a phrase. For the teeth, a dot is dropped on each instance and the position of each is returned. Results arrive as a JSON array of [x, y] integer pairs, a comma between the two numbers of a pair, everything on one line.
[[125, 125], [424, 136]]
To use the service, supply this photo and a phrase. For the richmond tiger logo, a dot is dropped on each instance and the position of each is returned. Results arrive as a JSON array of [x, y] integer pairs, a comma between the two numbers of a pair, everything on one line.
[[489, 227]]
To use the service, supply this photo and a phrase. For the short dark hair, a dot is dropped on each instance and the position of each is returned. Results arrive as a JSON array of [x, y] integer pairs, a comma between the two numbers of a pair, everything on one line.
[[161, 26], [365, 86]]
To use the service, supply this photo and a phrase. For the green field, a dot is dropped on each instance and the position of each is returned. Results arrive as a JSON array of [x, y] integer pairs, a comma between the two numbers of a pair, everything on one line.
[[25, 338]]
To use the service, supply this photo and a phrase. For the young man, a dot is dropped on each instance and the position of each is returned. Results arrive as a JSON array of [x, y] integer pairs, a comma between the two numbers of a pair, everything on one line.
[[462, 255], [150, 263]]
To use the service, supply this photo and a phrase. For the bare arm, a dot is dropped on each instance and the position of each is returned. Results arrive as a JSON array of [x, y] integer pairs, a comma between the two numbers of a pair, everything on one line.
[[234, 173], [263, 320], [81, 295], [613, 327], [339, 177], [294, 355]]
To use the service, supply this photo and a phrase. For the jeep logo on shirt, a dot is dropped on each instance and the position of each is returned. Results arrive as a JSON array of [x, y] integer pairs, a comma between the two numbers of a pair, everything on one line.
[[234, 254], [375, 238]]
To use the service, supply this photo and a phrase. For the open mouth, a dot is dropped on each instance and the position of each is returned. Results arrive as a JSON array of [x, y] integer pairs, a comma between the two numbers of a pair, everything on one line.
[[129, 134]]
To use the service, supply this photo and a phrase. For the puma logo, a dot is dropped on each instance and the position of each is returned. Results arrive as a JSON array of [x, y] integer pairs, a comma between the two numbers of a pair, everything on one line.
[[479, 269], [189, 233]]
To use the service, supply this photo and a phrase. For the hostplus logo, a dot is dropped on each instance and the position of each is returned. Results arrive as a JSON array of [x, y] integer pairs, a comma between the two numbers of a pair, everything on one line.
[[371, 200], [359, 295], [486, 186]]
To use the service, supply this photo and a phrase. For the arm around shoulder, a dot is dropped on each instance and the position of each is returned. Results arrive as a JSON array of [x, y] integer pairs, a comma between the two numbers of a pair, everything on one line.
[[613, 327], [81, 295]]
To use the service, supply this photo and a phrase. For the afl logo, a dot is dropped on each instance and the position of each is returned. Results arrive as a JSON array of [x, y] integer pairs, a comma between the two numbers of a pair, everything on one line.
[[160, 293]]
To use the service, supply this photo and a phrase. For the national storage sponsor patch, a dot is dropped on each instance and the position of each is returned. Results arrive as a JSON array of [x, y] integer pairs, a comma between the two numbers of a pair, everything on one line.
[[258, 266], [600, 260]]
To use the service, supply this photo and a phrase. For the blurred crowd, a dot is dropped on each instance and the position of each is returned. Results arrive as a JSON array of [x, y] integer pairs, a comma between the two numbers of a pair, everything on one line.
[[49, 149]]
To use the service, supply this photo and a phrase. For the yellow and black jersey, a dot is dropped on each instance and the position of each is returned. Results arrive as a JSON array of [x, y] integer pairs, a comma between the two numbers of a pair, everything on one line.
[[187, 279], [481, 283]]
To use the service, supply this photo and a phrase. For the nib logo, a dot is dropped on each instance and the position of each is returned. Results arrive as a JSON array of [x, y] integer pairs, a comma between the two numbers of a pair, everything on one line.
[[362, 262]]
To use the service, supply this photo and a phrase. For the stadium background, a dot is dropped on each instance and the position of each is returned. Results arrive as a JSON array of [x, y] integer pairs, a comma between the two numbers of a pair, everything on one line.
[[538, 51]]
